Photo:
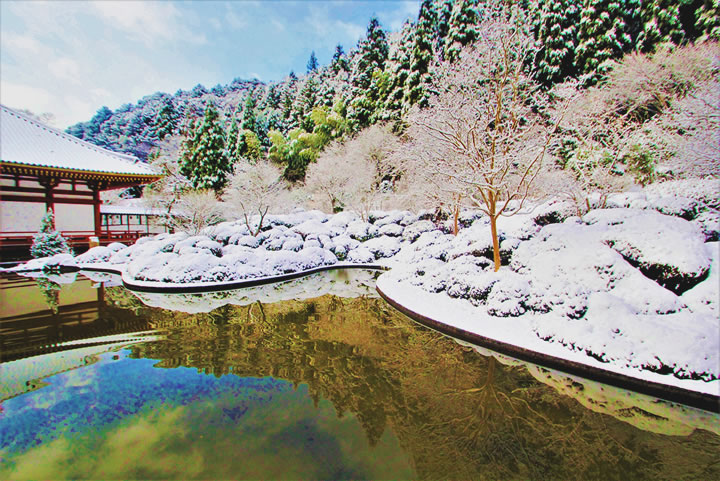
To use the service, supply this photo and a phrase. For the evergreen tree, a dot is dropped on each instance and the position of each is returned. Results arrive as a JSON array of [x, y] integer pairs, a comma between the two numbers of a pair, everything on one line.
[[166, 120], [708, 20], [205, 162], [339, 61], [400, 71], [463, 28], [312, 64], [249, 120], [419, 77], [373, 53], [555, 30], [232, 142], [442, 26], [660, 23], [604, 33], [48, 242]]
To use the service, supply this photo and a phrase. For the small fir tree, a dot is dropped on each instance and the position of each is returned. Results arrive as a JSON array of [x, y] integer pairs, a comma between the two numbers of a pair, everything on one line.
[[48, 241], [312, 64], [205, 162], [339, 61]]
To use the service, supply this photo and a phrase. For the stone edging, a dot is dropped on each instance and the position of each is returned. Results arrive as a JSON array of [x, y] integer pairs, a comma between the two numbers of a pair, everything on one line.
[[707, 402], [140, 286]]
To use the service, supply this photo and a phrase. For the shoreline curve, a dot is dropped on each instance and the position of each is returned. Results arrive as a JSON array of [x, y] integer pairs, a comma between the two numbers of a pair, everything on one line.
[[704, 401]]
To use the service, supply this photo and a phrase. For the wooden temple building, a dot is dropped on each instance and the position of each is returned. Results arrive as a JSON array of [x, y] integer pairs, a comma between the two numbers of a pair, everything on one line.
[[44, 168]]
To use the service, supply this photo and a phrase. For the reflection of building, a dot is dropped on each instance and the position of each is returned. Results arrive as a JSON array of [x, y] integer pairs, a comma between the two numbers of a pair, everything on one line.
[[44, 168], [33, 322]]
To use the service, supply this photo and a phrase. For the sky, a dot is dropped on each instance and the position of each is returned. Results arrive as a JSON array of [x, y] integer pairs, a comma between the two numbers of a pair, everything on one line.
[[69, 58]]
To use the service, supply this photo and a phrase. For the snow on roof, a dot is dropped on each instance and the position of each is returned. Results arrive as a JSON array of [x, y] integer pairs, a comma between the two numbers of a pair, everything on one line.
[[28, 142]]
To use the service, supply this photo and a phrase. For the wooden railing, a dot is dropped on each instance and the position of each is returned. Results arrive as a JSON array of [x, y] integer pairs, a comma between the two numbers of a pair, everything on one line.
[[78, 240]]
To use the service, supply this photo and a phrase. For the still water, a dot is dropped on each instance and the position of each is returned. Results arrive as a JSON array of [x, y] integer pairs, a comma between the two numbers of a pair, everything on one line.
[[312, 379]]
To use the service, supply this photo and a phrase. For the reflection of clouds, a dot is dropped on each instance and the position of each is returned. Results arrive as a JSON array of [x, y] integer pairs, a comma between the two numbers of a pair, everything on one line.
[[274, 435]]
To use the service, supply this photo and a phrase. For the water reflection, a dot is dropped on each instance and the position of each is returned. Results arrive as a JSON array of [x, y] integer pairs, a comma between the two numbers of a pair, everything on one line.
[[341, 382]]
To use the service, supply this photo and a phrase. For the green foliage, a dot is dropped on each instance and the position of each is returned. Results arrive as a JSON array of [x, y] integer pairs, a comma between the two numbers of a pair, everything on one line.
[[48, 242], [555, 30], [463, 28], [339, 60], [708, 20], [641, 164], [660, 23], [205, 161], [166, 120], [605, 32], [422, 55]]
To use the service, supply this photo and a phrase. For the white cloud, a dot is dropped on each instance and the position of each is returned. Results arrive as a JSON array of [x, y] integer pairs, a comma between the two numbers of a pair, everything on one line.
[[20, 43], [65, 68], [20, 96], [405, 11], [233, 19], [277, 24], [148, 22]]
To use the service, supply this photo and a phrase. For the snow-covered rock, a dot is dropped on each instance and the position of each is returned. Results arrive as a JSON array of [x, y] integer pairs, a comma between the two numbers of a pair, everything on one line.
[[705, 297]]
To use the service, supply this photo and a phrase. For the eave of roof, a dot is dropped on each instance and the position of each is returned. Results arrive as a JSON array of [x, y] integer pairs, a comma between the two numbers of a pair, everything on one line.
[[24, 141]]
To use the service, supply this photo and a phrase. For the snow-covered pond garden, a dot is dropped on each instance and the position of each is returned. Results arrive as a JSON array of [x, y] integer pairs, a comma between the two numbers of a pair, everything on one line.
[[311, 378], [606, 290]]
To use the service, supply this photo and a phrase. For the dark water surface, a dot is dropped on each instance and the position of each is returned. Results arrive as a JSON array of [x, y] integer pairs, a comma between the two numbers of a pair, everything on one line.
[[313, 379]]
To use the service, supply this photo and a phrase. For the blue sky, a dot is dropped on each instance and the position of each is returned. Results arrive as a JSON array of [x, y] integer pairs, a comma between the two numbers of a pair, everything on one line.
[[70, 58]]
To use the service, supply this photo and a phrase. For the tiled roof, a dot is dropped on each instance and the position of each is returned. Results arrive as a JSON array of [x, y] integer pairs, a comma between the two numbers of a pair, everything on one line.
[[28, 142]]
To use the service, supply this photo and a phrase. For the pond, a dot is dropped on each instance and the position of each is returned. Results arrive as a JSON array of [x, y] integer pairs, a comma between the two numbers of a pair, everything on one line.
[[314, 379]]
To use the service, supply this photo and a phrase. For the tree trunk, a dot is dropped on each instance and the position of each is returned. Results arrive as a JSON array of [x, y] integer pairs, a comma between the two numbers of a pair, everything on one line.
[[495, 241], [456, 214]]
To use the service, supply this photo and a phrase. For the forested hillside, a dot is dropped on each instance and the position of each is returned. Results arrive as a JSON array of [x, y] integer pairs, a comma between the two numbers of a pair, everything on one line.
[[389, 75]]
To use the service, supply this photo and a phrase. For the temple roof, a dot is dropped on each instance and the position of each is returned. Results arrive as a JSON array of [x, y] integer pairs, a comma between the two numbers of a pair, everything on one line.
[[26, 142]]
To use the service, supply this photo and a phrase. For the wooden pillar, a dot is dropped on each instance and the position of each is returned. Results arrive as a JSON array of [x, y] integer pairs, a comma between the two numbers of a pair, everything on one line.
[[49, 183], [96, 187]]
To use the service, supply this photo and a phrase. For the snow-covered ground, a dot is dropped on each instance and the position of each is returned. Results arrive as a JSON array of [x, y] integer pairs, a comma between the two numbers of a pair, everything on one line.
[[631, 288]]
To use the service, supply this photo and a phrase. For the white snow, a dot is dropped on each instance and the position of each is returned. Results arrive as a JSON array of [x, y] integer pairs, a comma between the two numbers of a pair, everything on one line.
[[603, 290]]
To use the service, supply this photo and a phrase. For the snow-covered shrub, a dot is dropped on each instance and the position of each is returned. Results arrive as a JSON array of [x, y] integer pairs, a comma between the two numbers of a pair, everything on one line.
[[94, 255], [413, 231], [383, 246], [669, 250], [394, 230], [361, 231], [361, 255]]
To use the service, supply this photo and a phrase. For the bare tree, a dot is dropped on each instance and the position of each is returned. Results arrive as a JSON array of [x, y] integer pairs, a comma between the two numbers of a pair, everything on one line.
[[255, 189], [195, 211], [480, 141], [354, 174]]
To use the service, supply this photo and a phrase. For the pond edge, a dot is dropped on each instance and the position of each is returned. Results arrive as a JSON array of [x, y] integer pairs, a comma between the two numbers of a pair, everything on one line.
[[704, 401]]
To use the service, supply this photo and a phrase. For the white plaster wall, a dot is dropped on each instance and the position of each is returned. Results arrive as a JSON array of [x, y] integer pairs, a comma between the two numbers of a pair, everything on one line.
[[74, 217], [21, 216]]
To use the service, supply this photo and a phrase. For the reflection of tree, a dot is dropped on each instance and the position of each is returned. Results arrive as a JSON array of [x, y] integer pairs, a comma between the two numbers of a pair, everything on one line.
[[50, 291], [458, 415]]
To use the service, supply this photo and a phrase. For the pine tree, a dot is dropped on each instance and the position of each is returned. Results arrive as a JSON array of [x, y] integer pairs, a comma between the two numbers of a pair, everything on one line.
[[442, 26], [400, 71], [463, 28], [367, 75], [205, 162], [312, 64], [166, 121], [232, 142], [708, 20], [660, 23], [421, 56], [373, 53], [555, 30], [339, 61], [604, 33], [249, 120], [48, 242]]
